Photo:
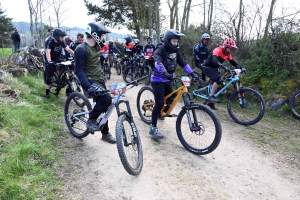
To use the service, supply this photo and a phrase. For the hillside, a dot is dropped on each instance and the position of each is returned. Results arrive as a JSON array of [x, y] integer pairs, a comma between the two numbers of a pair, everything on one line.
[[24, 27]]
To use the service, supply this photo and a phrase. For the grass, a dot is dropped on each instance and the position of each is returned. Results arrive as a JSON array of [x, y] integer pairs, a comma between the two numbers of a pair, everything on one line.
[[5, 52], [29, 129]]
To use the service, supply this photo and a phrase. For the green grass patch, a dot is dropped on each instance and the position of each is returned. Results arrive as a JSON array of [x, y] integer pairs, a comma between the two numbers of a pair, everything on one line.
[[5, 52], [29, 130]]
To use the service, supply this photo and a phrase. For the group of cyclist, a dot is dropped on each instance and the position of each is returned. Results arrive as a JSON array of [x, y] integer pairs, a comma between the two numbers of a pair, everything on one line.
[[164, 59]]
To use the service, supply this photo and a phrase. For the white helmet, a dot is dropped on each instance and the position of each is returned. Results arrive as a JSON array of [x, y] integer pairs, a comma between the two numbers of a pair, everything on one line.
[[205, 36]]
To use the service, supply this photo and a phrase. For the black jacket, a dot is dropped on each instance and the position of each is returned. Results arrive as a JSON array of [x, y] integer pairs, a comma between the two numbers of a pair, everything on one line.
[[15, 37]]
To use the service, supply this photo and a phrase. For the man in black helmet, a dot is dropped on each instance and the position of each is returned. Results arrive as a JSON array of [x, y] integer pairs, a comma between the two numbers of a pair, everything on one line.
[[166, 58], [52, 56], [88, 72], [161, 37]]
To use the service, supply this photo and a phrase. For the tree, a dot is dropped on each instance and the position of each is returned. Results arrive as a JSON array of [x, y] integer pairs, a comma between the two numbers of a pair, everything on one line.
[[6, 28], [185, 16], [270, 15], [133, 14]]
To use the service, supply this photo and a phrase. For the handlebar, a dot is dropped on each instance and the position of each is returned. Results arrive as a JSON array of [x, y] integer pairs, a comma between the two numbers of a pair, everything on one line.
[[133, 83]]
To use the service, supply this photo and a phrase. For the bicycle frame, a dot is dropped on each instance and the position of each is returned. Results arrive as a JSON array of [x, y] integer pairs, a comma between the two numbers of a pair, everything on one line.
[[181, 92], [232, 80]]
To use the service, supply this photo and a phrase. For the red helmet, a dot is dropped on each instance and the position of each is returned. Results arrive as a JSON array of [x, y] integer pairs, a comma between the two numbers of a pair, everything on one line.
[[230, 43], [68, 40]]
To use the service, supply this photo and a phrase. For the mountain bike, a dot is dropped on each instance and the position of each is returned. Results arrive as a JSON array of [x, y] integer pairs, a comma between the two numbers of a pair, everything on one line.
[[127, 136], [198, 128], [32, 63], [131, 71], [64, 76], [106, 67], [245, 106], [146, 70], [294, 104], [117, 65]]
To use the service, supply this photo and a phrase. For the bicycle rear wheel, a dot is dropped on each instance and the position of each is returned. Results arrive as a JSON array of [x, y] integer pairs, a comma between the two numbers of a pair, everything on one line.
[[76, 116], [294, 104], [131, 74], [145, 103], [247, 110], [207, 132], [129, 145]]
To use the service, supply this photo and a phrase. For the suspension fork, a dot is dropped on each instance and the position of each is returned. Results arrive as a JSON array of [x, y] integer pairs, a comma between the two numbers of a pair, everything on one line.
[[187, 105]]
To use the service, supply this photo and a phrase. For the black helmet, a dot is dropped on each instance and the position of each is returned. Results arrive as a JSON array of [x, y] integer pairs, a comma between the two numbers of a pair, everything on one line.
[[172, 34], [96, 31], [149, 38], [58, 32], [128, 40], [161, 36]]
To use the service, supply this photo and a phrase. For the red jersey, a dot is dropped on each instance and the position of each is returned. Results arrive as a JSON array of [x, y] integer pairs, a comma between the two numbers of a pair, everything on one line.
[[105, 48]]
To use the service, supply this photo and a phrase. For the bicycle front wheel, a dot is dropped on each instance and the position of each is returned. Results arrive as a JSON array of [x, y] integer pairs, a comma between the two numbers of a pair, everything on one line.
[[247, 109], [145, 103], [206, 132], [131, 74], [107, 71], [76, 115], [129, 145], [295, 104]]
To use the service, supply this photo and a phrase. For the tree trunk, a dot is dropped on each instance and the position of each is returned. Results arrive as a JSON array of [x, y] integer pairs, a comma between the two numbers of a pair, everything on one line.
[[188, 15], [269, 20], [210, 12], [204, 13], [157, 20], [150, 13], [31, 20]]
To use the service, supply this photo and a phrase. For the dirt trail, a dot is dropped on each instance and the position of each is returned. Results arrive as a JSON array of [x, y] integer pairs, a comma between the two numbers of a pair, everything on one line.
[[237, 169]]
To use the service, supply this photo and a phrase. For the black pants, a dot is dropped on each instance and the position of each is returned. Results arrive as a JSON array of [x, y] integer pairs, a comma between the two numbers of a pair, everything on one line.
[[102, 104], [199, 65], [160, 90]]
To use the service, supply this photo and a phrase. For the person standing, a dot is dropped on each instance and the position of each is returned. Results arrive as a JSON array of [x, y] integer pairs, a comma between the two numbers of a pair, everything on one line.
[[91, 79], [201, 52], [79, 40], [16, 40], [49, 38]]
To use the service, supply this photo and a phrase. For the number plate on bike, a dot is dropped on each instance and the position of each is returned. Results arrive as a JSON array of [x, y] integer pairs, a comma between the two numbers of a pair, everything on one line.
[[186, 80], [117, 89]]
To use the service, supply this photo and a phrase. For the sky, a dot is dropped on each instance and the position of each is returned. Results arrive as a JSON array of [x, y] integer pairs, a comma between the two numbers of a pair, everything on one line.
[[76, 12]]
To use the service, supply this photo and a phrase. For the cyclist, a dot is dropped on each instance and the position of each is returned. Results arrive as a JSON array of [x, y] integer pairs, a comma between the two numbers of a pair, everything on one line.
[[52, 56], [214, 61], [149, 49], [66, 55], [138, 50], [166, 58], [103, 50], [201, 52], [111, 49], [161, 37], [129, 50], [88, 72], [79, 40], [50, 37]]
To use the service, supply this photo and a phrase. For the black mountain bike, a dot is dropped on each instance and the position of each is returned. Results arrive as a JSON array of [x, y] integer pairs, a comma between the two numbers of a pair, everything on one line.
[[295, 104], [64, 76], [127, 136]]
